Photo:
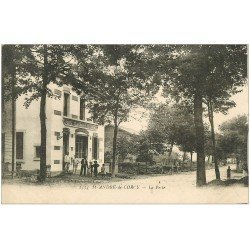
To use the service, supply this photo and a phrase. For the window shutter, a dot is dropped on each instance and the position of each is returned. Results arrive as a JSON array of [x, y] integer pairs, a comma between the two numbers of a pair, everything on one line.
[[98, 148], [93, 147]]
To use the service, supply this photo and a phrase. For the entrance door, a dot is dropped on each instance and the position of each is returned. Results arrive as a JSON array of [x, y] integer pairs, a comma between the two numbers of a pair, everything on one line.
[[81, 146]]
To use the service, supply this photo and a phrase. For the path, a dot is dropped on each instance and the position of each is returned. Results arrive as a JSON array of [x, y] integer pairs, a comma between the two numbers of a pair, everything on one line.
[[177, 188]]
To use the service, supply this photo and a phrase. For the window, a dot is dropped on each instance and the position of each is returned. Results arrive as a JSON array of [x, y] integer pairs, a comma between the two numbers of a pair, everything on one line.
[[66, 104], [82, 109], [56, 112], [19, 145], [95, 148], [58, 92], [37, 151], [75, 98], [57, 133], [74, 116]]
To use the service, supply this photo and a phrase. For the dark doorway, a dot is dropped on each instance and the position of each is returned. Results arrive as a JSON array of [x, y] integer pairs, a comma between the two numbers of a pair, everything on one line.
[[81, 146], [65, 146]]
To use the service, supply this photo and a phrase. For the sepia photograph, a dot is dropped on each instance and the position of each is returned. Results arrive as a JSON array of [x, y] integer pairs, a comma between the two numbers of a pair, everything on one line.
[[124, 124]]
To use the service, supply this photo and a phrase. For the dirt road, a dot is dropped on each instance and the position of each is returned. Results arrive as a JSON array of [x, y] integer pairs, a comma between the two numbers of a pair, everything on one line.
[[177, 188]]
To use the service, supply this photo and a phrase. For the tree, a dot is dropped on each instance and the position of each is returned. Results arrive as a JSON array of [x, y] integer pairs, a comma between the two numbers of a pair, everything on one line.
[[172, 124], [144, 147], [115, 86], [187, 77], [182, 71], [8, 89], [38, 66], [227, 71], [233, 140], [13, 58], [125, 146]]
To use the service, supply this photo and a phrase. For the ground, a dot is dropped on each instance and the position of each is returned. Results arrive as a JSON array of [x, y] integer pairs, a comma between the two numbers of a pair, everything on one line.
[[176, 188]]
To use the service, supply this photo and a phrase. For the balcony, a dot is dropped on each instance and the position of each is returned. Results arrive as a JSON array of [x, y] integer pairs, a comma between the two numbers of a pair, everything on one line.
[[71, 122]]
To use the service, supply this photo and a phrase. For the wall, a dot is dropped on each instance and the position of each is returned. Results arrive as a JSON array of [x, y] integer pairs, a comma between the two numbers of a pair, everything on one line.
[[28, 121], [57, 126]]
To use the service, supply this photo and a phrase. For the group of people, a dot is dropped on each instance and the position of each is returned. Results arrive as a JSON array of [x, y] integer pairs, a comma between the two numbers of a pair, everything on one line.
[[87, 169]]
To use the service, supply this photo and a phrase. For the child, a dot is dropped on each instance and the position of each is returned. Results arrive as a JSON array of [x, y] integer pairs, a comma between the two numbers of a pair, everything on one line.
[[90, 169], [103, 170]]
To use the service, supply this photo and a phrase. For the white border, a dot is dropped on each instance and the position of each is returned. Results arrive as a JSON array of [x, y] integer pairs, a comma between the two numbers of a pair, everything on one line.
[[124, 227]]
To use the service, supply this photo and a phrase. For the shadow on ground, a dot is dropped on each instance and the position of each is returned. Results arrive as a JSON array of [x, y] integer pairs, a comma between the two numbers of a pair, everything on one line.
[[243, 181]]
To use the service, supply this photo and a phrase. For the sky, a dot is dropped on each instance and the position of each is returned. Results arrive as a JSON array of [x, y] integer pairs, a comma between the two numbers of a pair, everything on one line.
[[139, 117]]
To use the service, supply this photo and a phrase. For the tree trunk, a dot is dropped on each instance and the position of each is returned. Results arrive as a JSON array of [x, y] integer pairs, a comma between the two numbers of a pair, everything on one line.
[[191, 158], [199, 130], [171, 149], [211, 120], [237, 164], [183, 158], [42, 176], [170, 152], [115, 139], [13, 104]]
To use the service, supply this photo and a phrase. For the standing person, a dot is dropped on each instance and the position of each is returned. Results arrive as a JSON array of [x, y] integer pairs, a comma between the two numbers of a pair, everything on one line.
[[95, 166], [228, 172], [84, 165], [103, 170], [90, 169], [67, 162], [75, 164]]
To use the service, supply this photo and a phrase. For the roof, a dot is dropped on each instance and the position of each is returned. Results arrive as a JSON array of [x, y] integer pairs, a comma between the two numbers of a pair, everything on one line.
[[127, 130]]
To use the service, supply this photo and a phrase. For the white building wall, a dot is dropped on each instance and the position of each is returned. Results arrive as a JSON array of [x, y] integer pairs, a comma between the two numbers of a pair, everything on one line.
[[28, 121], [57, 125]]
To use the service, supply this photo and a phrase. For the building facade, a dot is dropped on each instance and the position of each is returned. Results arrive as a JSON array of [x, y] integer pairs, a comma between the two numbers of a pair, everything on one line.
[[69, 130], [108, 146]]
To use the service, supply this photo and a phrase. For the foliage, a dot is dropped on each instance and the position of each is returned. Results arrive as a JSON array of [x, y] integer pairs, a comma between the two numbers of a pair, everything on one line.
[[164, 159], [29, 66], [34, 68], [113, 87], [233, 139], [125, 146], [144, 148], [174, 125], [116, 84], [193, 73]]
